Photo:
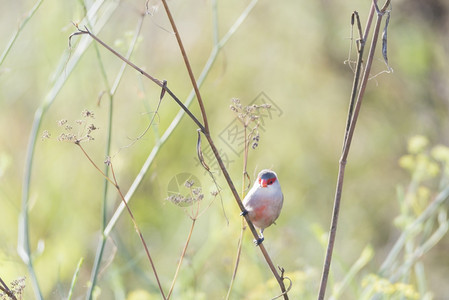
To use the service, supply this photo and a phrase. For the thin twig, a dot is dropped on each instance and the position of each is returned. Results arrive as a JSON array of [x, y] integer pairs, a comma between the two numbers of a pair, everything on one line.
[[176, 121], [139, 233], [214, 149], [237, 260], [187, 63], [217, 155], [114, 182], [160, 83], [240, 242], [94, 164], [181, 258], [242, 208], [112, 90], [6, 290], [349, 132]]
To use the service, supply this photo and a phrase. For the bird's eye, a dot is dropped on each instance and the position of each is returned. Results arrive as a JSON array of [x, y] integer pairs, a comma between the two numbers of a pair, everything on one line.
[[271, 181]]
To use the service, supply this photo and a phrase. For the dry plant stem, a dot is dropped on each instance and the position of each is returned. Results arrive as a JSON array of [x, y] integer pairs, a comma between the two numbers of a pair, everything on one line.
[[237, 260], [139, 233], [187, 63], [218, 45], [348, 138], [206, 132], [239, 245], [6, 290], [214, 149], [160, 83], [248, 221], [112, 90], [181, 258], [136, 227]]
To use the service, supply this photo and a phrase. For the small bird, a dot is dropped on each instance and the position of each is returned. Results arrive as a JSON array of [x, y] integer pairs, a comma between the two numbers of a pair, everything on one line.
[[263, 203]]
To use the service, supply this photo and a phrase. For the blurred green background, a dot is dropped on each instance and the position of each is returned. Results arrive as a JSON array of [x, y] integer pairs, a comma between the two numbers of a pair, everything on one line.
[[289, 54]]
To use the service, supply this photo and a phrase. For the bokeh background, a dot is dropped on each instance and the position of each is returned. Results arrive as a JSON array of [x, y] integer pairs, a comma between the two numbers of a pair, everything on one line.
[[290, 54]]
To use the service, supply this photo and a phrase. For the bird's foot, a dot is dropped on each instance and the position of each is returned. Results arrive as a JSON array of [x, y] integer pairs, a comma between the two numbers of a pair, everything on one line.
[[244, 213], [259, 241]]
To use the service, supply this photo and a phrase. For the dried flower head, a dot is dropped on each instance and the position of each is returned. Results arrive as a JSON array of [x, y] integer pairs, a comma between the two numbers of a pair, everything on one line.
[[249, 116], [189, 183], [187, 195], [46, 135], [87, 114], [84, 131], [179, 200]]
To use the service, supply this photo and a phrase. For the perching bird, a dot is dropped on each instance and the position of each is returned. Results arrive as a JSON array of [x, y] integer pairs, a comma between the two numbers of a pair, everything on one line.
[[263, 203]]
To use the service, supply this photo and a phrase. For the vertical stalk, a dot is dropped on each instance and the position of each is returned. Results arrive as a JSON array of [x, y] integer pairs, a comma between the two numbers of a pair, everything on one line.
[[111, 92], [349, 135]]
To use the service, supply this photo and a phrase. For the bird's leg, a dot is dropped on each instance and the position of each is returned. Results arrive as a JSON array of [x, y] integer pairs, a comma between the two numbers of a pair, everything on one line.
[[260, 239], [244, 213]]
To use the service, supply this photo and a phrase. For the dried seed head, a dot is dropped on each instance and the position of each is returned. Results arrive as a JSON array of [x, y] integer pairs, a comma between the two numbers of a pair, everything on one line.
[[91, 128], [62, 122], [67, 137], [254, 118], [176, 199], [87, 114], [46, 135]]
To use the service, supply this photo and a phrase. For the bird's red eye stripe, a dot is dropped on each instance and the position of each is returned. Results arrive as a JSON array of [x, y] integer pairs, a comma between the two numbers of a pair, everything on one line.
[[265, 182]]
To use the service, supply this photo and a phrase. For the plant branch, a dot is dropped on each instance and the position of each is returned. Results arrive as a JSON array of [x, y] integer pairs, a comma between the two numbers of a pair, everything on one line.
[[6, 290], [160, 83], [181, 258], [349, 132], [206, 132], [167, 133], [248, 221], [187, 63], [114, 182], [237, 261]]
